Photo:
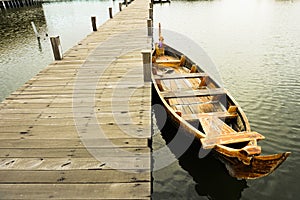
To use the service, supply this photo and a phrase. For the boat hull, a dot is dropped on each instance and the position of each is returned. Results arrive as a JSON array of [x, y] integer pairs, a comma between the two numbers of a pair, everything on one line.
[[259, 166]]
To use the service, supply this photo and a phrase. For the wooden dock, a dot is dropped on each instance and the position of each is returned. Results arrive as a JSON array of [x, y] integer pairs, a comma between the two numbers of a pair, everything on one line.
[[80, 129]]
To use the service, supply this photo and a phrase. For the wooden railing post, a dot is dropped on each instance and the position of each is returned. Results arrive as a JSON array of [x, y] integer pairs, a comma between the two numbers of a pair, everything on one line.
[[149, 25], [110, 12], [147, 65], [151, 5], [93, 19], [56, 47]]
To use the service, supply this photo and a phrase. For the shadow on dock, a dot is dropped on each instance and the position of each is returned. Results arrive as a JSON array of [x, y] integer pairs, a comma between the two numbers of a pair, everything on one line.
[[209, 174]]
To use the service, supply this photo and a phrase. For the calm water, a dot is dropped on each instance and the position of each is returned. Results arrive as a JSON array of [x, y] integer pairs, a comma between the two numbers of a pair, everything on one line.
[[254, 43], [22, 56], [256, 46]]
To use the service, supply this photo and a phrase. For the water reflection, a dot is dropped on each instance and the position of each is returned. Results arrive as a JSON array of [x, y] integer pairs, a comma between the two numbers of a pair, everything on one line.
[[22, 55], [15, 26], [209, 174]]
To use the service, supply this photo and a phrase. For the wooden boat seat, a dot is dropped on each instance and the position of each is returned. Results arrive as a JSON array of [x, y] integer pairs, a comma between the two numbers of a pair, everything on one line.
[[167, 61], [210, 142], [179, 76], [219, 132], [193, 93], [215, 114]]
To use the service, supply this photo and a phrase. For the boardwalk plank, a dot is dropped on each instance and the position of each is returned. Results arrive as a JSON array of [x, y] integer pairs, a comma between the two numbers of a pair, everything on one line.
[[76, 191], [73, 176]]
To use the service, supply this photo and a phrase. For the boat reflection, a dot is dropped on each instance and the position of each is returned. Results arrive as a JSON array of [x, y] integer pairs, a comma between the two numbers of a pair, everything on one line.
[[210, 175]]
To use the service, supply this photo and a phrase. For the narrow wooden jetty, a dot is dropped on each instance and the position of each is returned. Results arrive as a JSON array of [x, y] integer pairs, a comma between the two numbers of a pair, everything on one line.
[[80, 129]]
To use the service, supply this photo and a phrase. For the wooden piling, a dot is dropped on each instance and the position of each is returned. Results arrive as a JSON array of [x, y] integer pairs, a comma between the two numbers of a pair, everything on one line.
[[147, 65], [93, 19], [150, 13], [56, 47], [110, 12], [126, 3], [35, 30], [149, 25], [120, 6]]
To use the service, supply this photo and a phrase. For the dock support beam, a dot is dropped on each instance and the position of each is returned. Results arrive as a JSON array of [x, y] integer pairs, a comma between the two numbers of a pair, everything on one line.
[[147, 65], [56, 47]]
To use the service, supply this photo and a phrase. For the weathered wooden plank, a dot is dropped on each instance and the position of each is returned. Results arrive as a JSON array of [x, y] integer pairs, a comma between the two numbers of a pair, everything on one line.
[[73, 143], [193, 93], [179, 76], [76, 191], [236, 137], [213, 126], [213, 114], [73, 176], [70, 134], [78, 152], [122, 163], [126, 120]]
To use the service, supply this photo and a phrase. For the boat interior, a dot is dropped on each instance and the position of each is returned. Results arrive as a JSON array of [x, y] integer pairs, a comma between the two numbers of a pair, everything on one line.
[[199, 100]]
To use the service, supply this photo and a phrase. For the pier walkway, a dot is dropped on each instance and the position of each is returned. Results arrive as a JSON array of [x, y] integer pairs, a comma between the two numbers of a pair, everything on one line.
[[80, 129]]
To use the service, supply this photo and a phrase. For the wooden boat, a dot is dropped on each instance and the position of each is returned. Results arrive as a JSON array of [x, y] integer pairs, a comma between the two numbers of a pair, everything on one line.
[[197, 103]]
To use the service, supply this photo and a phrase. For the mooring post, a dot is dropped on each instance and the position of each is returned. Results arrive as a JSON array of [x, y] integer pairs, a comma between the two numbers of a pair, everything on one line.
[[93, 19], [110, 12], [56, 47], [150, 13], [126, 3], [35, 30], [149, 25], [120, 6], [147, 65]]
